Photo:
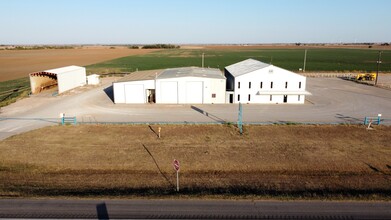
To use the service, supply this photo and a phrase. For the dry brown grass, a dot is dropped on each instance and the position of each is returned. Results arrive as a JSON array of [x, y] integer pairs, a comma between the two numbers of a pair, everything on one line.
[[15, 64], [119, 160]]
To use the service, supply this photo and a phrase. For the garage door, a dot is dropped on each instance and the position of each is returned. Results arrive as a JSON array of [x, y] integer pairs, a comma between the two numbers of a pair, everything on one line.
[[169, 92], [134, 94], [194, 92]]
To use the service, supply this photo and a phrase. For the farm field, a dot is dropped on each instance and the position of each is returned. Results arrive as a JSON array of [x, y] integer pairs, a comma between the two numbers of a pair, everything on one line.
[[15, 64], [286, 161], [318, 59]]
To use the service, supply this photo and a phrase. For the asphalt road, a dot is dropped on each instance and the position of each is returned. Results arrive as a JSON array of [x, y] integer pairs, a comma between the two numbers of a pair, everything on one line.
[[333, 100], [192, 209]]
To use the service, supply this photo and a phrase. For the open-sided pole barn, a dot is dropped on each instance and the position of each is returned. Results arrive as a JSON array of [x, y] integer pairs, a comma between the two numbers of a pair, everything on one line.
[[65, 78]]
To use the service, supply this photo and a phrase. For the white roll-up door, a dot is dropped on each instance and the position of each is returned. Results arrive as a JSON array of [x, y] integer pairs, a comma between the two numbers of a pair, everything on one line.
[[194, 92], [134, 94], [169, 92]]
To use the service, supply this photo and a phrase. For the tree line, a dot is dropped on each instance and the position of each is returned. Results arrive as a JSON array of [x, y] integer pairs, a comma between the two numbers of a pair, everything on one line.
[[160, 46]]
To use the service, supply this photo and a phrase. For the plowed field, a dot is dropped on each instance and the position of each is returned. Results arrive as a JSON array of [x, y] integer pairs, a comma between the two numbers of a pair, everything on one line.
[[15, 64]]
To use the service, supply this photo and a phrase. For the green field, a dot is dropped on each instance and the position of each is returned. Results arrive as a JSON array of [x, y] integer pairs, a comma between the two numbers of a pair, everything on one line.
[[321, 59], [340, 60], [11, 90]]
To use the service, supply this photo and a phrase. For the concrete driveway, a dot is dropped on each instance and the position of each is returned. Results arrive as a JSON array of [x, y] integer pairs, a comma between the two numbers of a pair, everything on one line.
[[333, 100]]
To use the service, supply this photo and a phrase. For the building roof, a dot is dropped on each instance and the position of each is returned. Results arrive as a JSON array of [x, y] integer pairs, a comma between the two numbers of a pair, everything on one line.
[[93, 75], [191, 72], [141, 75], [246, 66], [63, 69]]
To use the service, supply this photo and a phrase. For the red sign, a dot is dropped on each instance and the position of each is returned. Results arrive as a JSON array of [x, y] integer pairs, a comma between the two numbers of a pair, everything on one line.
[[176, 165]]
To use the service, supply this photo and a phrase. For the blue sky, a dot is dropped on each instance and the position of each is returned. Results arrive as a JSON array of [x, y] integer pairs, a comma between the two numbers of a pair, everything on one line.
[[193, 21]]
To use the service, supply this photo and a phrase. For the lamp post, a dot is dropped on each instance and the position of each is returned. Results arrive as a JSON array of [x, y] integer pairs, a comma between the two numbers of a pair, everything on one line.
[[377, 69], [203, 54], [305, 59]]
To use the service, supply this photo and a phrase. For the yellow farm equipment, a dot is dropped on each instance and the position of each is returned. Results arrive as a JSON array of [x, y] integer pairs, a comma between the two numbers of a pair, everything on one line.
[[366, 77]]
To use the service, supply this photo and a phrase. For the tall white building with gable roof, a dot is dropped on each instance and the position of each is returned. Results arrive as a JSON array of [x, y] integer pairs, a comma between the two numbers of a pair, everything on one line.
[[252, 81]]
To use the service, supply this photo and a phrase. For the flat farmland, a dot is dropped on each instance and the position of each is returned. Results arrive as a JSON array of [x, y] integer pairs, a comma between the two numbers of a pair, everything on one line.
[[291, 58], [288, 161], [15, 64]]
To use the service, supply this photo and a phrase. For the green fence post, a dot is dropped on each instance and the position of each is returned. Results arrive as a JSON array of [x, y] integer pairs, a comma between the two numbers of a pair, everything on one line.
[[240, 118]]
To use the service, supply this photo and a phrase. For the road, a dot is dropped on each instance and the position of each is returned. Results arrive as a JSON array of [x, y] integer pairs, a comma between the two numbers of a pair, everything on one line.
[[333, 100], [192, 209]]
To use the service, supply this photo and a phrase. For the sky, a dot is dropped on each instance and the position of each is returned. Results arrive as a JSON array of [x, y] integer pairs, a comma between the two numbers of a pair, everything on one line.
[[194, 21]]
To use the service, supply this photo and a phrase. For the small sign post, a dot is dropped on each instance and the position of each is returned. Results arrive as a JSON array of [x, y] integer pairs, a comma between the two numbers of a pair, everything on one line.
[[177, 168], [159, 130]]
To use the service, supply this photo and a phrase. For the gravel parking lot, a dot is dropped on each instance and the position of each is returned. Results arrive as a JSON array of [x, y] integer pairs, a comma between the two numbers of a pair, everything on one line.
[[333, 100]]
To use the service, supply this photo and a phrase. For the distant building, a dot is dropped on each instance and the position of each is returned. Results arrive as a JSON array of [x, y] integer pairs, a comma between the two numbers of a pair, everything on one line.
[[93, 79], [188, 85], [252, 81], [65, 78]]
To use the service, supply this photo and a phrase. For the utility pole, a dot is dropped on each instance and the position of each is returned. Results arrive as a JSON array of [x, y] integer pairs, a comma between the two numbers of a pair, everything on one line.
[[378, 65], [203, 60], [305, 59]]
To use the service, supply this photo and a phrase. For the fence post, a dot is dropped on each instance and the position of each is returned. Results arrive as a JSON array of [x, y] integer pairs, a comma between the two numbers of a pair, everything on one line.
[[74, 120], [365, 121]]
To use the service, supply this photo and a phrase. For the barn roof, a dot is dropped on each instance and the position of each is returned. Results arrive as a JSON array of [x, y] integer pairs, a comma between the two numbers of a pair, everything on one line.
[[246, 66], [63, 69], [141, 75], [191, 72]]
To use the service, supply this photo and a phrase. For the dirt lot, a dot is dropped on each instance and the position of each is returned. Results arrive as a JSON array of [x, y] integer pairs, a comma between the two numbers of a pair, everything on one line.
[[16, 64], [130, 161]]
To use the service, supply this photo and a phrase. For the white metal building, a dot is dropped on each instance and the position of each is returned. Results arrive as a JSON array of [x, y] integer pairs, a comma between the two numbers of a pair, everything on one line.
[[66, 78], [188, 85], [93, 79], [137, 88], [252, 81]]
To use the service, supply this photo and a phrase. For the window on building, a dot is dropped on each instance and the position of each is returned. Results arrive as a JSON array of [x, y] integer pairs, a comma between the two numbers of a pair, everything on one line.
[[271, 98], [286, 85], [271, 85], [249, 97], [238, 85], [249, 85], [261, 85], [238, 98], [299, 85], [298, 98], [213, 95]]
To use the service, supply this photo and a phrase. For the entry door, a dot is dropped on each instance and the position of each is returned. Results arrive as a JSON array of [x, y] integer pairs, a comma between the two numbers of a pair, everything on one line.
[[194, 92], [231, 98]]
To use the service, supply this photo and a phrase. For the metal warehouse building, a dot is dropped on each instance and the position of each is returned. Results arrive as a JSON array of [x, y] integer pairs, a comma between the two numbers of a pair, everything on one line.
[[66, 78], [252, 81], [188, 85]]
